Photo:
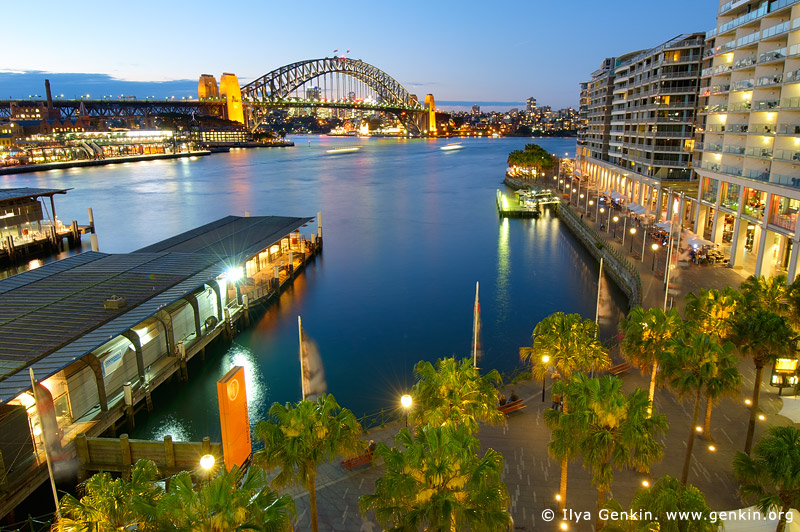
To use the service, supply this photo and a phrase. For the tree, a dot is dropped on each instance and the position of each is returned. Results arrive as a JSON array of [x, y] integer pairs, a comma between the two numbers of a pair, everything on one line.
[[766, 293], [711, 312], [455, 392], [298, 438], [436, 480], [653, 507], [693, 361], [235, 500], [572, 346], [611, 430], [646, 336], [113, 504], [764, 336], [772, 477]]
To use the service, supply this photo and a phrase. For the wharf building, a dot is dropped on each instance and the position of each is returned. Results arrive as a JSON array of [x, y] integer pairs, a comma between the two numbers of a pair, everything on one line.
[[748, 157], [636, 123], [101, 331]]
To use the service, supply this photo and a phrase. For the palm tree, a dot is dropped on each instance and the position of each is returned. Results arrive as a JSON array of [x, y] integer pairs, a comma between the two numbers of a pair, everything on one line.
[[772, 478], [455, 392], [766, 293], [646, 336], [571, 345], [611, 430], [235, 500], [113, 504], [764, 336], [711, 312], [654, 508], [693, 361], [298, 438], [436, 480]]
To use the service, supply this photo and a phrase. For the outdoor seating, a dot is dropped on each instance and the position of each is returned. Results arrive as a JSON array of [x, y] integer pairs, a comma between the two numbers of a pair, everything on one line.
[[512, 406], [620, 368], [358, 461]]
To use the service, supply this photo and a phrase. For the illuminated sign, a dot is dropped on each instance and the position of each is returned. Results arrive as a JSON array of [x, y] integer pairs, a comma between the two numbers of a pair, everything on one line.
[[233, 417]]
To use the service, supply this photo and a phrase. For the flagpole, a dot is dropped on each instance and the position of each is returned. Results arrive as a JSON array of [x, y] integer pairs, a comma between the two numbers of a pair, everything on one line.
[[597, 307], [44, 438], [300, 336], [475, 329]]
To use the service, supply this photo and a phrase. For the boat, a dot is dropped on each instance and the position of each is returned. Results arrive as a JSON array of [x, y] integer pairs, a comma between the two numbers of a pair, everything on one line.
[[452, 146], [344, 150]]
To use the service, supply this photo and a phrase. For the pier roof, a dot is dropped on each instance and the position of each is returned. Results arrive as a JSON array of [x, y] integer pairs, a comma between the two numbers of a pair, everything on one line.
[[54, 315], [11, 194], [232, 236]]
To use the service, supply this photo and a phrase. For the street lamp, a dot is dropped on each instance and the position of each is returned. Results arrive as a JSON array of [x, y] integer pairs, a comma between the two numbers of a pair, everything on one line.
[[545, 360], [207, 462], [633, 232], [405, 400], [654, 247], [616, 219]]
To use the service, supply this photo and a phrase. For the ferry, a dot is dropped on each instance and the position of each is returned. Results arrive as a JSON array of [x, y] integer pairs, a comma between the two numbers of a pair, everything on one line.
[[344, 150], [452, 146]]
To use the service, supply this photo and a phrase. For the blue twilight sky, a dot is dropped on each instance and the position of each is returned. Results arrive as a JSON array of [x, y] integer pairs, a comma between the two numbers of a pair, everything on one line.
[[463, 51]]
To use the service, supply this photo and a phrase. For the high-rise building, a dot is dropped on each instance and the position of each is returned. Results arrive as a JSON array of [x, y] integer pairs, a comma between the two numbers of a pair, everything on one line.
[[530, 104], [476, 109], [637, 122], [313, 93], [748, 161]]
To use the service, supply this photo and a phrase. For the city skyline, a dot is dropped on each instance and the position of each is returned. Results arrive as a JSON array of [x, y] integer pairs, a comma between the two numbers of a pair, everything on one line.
[[458, 55]]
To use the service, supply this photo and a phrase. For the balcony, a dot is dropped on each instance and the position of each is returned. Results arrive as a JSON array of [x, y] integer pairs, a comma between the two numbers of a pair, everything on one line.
[[786, 180], [792, 77], [790, 156], [789, 129], [766, 105], [716, 128], [718, 108], [739, 107], [744, 62], [790, 103], [734, 150], [772, 56], [776, 30], [709, 147], [768, 81], [762, 129], [760, 153], [747, 40], [739, 129], [742, 85]]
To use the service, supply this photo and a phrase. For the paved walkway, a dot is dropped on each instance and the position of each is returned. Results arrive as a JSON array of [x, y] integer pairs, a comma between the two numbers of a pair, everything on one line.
[[533, 477]]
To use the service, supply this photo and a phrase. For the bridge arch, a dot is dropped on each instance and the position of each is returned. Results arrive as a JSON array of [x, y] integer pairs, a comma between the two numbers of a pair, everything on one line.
[[280, 83]]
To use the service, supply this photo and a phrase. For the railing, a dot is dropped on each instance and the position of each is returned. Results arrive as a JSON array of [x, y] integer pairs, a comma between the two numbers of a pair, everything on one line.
[[762, 129], [786, 180], [672, 134], [744, 62], [766, 81], [720, 128], [742, 85], [707, 72], [672, 75], [719, 89], [736, 128], [780, 53], [747, 39], [684, 58], [734, 150], [791, 103], [788, 129], [710, 147], [761, 153], [744, 19], [792, 77], [718, 108], [739, 107], [758, 175], [791, 156], [777, 29], [766, 105]]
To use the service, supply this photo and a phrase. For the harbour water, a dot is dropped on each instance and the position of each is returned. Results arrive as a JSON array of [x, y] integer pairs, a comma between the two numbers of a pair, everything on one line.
[[408, 231]]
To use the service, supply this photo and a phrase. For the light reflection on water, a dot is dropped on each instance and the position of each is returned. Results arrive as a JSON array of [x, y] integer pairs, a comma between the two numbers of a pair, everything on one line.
[[257, 388], [503, 270], [179, 428]]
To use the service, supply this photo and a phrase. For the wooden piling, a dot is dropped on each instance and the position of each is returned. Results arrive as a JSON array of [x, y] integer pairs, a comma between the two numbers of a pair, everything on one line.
[[125, 447]]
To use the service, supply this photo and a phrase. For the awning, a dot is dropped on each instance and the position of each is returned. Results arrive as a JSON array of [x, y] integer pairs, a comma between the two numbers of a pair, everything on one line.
[[636, 208], [617, 196], [694, 240]]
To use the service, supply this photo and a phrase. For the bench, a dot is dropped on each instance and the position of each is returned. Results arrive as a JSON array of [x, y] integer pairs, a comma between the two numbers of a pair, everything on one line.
[[620, 368], [511, 406], [358, 461]]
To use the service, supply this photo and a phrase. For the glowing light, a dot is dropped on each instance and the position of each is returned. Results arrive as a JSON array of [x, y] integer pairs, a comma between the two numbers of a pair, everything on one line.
[[748, 402], [406, 401], [654, 247], [233, 274], [26, 400], [558, 496], [712, 448], [646, 483], [762, 417], [698, 428], [207, 461], [545, 359], [563, 525]]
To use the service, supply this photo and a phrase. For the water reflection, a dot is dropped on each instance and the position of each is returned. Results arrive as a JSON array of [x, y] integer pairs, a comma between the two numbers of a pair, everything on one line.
[[503, 271], [256, 385], [179, 428]]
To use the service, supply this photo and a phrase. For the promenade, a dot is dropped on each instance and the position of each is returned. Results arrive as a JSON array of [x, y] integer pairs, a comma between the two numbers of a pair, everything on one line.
[[533, 477]]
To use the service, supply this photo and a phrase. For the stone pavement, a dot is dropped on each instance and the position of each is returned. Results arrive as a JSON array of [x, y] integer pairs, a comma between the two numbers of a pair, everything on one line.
[[533, 477]]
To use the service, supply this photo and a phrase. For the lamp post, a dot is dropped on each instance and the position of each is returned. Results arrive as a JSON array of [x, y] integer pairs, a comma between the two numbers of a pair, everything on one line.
[[545, 360], [616, 219], [654, 247], [406, 401], [633, 232], [624, 229], [207, 462]]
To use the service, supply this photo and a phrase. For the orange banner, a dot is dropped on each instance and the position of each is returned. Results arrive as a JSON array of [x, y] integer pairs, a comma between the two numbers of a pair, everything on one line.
[[233, 417]]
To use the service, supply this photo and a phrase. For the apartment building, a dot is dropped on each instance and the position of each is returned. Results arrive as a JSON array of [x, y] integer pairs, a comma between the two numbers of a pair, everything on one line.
[[748, 160], [638, 117]]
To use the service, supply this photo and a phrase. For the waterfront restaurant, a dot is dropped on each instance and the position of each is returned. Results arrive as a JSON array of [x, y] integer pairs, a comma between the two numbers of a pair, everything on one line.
[[101, 331]]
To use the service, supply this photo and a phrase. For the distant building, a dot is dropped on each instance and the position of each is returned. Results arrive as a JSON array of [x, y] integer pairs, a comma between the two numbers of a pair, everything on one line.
[[313, 93], [476, 109], [530, 104], [207, 87]]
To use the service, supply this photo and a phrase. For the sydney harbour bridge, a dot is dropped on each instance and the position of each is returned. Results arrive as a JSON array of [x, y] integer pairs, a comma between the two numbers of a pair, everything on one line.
[[327, 83]]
